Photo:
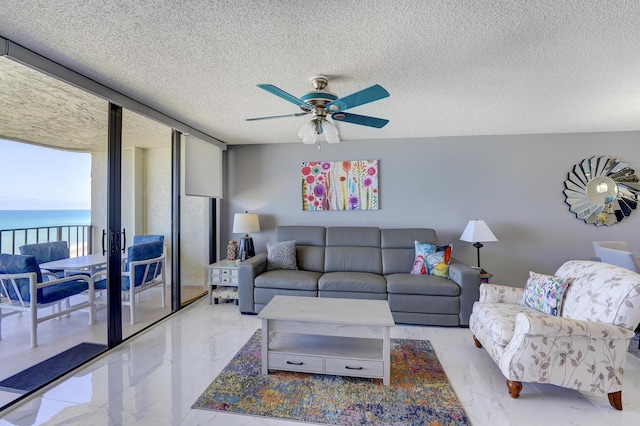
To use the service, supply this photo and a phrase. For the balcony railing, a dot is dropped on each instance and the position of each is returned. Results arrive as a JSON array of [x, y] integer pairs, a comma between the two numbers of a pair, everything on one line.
[[78, 237]]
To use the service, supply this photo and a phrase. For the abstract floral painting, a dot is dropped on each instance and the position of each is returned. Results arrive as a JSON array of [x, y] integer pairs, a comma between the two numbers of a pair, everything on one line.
[[340, 185]]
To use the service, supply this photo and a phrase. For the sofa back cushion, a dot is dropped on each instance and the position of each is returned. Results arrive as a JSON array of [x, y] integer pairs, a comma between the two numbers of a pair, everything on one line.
[[398, 248], [353, 249], [601, 292], [310, 241]]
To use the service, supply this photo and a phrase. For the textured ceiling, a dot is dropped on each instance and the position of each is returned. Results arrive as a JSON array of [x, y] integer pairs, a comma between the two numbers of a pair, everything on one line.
[[452, 67]]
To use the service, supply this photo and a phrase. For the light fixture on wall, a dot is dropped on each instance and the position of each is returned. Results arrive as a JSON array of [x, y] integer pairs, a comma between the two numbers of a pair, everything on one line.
[[477, 231], [243, 223]]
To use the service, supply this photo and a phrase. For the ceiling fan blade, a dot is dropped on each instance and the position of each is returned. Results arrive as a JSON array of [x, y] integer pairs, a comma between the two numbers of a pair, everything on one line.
[[286, 96], [276, 116], [363, 120], [362, 97]]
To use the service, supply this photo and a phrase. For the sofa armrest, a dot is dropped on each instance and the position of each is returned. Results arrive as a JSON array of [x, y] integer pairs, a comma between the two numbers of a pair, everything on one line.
[[534, 324], [582, 355], [494, 293], [468, 279], [247, 272]]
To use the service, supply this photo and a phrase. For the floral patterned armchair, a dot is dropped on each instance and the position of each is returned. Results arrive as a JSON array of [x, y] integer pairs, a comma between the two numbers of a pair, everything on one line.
[[584, 348]]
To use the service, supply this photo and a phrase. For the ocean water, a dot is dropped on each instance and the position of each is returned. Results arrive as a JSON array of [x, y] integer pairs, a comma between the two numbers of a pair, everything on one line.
[[12, 219], [10, 241]]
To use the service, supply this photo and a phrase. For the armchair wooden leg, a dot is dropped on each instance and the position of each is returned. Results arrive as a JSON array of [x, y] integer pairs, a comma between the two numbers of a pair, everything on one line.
[[615, 399], [477, 342], [514, 388]]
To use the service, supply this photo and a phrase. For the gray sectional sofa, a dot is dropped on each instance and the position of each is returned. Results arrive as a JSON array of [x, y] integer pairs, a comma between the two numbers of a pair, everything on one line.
[[362, 263]]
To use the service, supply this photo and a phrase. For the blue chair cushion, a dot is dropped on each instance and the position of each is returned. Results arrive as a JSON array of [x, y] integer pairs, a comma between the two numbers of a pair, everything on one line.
[[136, 253], [102, 284], [143, 252], [61, 291], [19, 264], [143, 239], [48, 252]]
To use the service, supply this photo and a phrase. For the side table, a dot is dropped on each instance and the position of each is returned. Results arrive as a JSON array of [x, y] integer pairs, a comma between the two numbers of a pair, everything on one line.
[[485, 277], [223, 281]]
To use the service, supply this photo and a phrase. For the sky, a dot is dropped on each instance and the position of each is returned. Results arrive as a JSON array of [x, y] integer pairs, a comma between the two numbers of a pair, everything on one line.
[[37, 178]]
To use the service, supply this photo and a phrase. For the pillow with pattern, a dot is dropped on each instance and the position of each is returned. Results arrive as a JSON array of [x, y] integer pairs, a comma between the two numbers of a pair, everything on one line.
[[545, 293], [432, 259], [281, 255]]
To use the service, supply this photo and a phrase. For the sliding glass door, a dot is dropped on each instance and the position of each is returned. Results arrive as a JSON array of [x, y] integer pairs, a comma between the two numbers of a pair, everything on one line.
[[146, 217], [54, 141], [127, 194]]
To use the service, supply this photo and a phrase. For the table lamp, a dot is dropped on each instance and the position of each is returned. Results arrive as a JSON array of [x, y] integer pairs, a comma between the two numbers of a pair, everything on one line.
[[243, 223], [478, 231]]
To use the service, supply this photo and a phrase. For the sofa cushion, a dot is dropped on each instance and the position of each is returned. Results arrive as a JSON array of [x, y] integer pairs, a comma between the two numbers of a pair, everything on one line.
[[359, 236], [498, 319], [288, 279], [310, 258], [429, 285], [352, 281], [310, 242], [545, 293], [353, 259], [398, 247], [281, 255], [353, 249]]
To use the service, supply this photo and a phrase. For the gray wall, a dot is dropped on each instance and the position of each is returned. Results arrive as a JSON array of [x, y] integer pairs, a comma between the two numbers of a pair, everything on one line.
[[514, 183]]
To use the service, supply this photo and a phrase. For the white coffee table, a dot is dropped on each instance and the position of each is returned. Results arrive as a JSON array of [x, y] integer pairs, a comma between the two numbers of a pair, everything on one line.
[[347, 337]]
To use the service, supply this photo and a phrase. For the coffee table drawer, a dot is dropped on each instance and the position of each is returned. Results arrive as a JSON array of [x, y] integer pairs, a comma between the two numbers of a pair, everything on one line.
[[354, 367], [293, 362]]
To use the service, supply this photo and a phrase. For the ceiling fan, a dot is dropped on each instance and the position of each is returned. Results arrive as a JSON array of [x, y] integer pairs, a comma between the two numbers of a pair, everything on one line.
[[322, 105]]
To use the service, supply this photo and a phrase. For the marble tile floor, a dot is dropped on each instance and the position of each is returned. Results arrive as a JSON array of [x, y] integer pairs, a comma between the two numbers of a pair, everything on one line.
[[155, 378], [61, 333]]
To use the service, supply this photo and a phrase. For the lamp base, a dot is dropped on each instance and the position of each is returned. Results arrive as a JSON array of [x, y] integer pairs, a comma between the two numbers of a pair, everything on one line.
[[246, 249]]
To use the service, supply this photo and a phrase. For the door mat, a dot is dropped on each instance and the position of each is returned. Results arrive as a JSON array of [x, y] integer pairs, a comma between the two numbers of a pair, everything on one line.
[[49, 369], [419, 394]]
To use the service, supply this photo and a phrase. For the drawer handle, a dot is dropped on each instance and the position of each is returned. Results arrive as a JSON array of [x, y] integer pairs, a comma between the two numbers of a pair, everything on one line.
[[352, 368], [295, 363]]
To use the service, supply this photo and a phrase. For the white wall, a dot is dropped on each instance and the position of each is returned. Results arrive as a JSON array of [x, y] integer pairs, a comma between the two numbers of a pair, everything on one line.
[[514, 183]]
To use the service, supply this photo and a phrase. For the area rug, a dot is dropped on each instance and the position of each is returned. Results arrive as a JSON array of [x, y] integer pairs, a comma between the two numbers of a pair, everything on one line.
[[49, 369], [419, 394]]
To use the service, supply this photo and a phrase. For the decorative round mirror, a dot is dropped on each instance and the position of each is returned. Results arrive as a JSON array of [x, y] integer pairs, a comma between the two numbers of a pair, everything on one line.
[[602, 190]]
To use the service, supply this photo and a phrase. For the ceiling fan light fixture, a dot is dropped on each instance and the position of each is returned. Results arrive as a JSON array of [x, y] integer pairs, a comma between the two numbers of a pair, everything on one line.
[[310, 134], [304, 129], [323, 104], [310, 138], [331, 132]]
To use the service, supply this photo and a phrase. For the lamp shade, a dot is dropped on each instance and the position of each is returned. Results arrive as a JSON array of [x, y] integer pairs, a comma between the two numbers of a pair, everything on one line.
[[477, 231], [243, 223]]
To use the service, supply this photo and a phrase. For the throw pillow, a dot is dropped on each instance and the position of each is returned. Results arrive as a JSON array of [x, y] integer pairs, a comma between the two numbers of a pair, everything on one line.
[[432, 259], [281, 255], [545, 293]]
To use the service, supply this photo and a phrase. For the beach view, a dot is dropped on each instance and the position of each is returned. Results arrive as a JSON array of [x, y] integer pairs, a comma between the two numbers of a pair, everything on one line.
[[52, 203]]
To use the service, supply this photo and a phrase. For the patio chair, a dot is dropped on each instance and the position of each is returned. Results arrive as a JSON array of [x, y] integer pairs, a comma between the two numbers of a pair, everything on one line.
[[23, 290], [47, 252], [142, 271]]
